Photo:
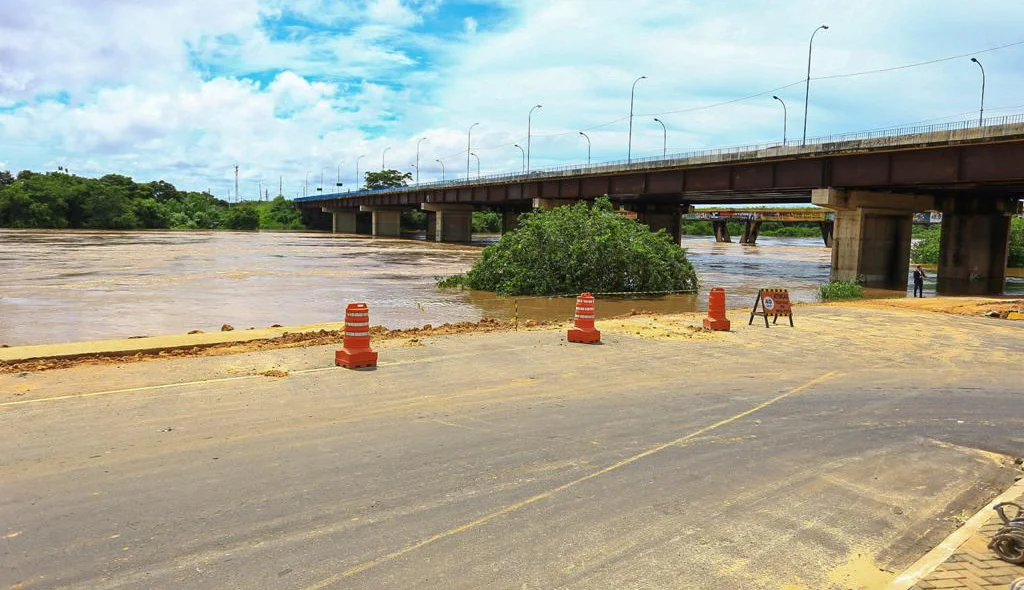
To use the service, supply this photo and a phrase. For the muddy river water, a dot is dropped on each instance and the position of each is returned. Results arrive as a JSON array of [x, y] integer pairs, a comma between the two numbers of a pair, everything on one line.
[[61, 286]]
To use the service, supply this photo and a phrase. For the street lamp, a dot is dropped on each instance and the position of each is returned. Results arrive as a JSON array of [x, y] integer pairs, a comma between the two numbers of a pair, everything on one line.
[[477, 164], [305, 185], [529, 125], [422, 139], [785, 119], [469, 146], [524, 156], [382, 158], [338, 183], [320, 189], [632, 92], [357, 170], [664, 138], [588, 147], [442, 169], [807, 86], [981, 114]]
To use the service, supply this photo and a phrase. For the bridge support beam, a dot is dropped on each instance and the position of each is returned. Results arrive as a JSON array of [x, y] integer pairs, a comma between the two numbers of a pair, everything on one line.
[[751, 229], [452, 222], [975, 245], [871, 240], [510, 219], [670, 222], [721, 230], [828, 229], [387, 221]]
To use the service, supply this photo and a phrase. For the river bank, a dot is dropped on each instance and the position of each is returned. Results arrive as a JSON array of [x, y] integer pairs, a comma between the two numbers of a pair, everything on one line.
[[34, 358]]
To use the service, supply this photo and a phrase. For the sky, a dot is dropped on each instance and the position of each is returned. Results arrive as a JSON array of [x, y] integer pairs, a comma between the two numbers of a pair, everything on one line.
[[183, 90]]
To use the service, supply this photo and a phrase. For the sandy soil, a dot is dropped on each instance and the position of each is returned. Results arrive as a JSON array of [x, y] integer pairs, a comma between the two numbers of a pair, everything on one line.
[[638, 323]]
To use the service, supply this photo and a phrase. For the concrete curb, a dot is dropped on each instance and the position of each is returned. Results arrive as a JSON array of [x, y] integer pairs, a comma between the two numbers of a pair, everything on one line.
[[949, 546], [153, 344]]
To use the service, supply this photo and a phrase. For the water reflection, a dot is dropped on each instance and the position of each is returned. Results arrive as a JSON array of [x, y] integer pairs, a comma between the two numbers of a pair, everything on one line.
[[63, 286]]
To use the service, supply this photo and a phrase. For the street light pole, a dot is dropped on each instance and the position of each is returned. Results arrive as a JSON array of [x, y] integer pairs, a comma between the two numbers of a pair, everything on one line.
[[422, 139], [981, 114], [469, 146], [529, 125], [807, 85], [442, 169], [629, 148], [785, 119], [477, 164], [338, 183], [305, 185], [524, 156], [357, 170], [588, 146], [382, 158], [664, 138]]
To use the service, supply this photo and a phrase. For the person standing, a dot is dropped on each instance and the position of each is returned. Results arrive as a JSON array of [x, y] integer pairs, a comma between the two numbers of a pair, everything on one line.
[[919, 278]]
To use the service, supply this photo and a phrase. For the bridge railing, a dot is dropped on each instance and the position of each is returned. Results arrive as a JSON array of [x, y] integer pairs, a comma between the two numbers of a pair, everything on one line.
[[908, 135]]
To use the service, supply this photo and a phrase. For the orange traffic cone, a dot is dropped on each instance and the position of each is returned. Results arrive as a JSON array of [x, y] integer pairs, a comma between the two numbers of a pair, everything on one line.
[[355, 353], [584, 332], [716, 319]]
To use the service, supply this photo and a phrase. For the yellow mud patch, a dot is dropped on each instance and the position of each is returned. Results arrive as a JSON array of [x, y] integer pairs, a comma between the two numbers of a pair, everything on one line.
[[860, 573]]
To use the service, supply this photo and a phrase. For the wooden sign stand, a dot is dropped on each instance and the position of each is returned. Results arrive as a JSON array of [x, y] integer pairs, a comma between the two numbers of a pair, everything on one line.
[[773, 302]]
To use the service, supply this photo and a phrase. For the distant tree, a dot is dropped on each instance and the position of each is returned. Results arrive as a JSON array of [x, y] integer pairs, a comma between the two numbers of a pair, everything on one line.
[[6, 178], [242, 216], [387, 179]]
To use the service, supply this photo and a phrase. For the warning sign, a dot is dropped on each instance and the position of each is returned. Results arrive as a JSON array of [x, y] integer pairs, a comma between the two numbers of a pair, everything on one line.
[[772, 302]]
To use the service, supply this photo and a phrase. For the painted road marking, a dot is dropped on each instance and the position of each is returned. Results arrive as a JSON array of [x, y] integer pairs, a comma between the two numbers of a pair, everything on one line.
[[544, 495]]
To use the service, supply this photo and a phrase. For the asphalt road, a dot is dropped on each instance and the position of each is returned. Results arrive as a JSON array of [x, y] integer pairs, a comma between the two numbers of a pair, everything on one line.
[[808, 457]]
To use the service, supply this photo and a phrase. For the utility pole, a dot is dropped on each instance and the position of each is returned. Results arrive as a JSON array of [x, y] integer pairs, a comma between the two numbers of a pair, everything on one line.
[[280, 185], [236, 183]]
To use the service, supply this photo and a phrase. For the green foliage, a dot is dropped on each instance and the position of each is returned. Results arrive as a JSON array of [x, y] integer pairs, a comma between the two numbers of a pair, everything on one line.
[[1016, 242], [61, 200], [579, 248], [926, 249], [486, 222], [387, 179], [834, 290], [414, 219], [242, 216]]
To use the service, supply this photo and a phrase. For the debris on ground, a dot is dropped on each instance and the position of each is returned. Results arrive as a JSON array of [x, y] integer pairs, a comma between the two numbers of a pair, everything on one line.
[[227, 328]]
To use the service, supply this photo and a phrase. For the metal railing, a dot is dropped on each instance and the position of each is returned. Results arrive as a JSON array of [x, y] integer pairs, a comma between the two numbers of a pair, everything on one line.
[[895, 136]]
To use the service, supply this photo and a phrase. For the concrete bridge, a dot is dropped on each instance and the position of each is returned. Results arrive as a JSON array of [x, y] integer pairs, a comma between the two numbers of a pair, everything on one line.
[[874, 182]]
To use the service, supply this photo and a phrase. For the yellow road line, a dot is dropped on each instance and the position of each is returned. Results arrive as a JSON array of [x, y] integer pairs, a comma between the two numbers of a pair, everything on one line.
[[543, 495]]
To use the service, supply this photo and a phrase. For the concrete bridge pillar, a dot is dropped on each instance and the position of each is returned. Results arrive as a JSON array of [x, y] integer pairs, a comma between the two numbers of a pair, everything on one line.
[[510, 219], [452, 222], [751, 229], [871, 241], [827, 231], [671, 222], [975, 245], [431, 226], [347, 221], [721, 228], [387, 221]]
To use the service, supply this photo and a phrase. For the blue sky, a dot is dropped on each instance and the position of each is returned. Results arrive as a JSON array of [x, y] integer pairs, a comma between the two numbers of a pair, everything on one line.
[[183, 90]]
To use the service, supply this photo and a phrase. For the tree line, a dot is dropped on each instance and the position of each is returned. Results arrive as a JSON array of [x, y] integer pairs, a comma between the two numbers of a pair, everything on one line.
[[59, 200]]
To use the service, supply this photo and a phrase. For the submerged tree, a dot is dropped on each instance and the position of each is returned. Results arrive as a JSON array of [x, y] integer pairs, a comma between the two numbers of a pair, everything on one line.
[[580, 248]]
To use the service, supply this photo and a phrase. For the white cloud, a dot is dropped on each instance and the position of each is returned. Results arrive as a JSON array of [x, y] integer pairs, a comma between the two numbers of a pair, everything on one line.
[[470, 25]]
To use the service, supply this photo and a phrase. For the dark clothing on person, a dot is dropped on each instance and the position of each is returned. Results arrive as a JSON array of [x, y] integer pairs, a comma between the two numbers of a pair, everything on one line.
[[918, 283]]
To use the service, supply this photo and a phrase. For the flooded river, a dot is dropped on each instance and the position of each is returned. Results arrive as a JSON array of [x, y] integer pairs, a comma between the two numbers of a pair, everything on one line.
[[61, 286]]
